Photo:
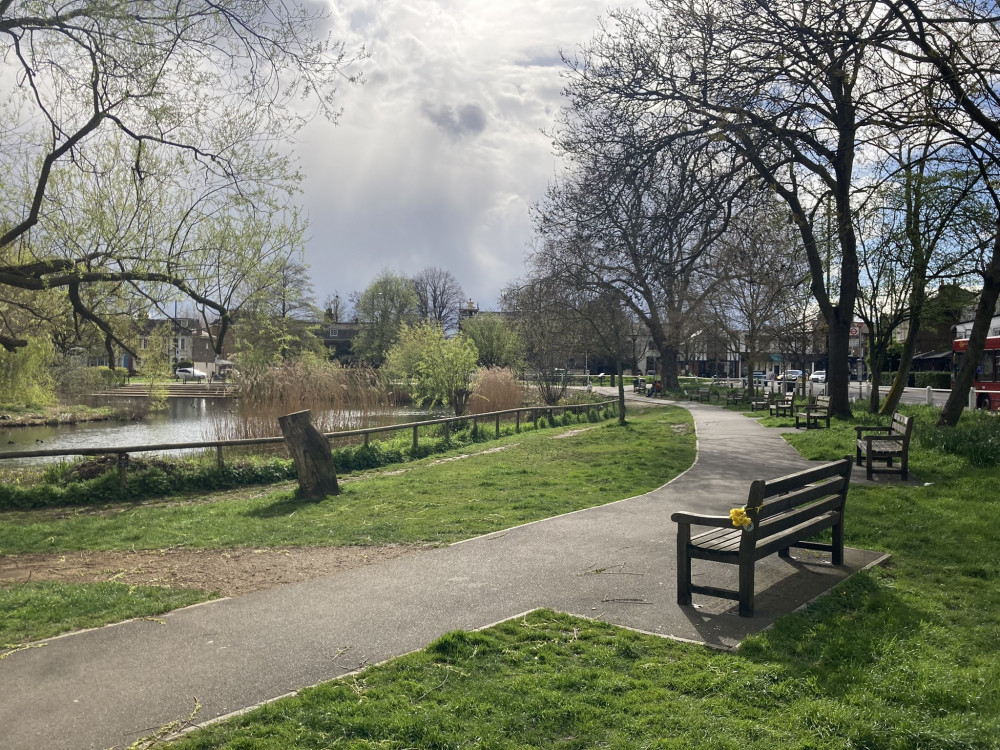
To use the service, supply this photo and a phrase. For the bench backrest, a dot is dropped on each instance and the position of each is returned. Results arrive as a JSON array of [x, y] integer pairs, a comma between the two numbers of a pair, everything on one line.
[[823, 402], [775, 505], [789, 398], [901, 425]]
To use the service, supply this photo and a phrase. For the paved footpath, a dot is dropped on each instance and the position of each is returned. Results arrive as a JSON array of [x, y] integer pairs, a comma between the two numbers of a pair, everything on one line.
[[107, 687]]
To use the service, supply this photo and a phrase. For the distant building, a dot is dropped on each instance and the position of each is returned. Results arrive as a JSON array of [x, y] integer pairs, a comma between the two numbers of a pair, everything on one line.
[[468, 310]]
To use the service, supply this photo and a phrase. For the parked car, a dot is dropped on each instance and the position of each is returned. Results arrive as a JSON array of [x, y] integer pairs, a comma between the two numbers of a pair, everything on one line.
[[190, 373], [790, 375], [818, 377]]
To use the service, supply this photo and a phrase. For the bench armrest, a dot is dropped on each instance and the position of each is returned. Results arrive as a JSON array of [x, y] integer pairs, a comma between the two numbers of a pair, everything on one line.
[[699, 520], [874, 428], [897, 438]]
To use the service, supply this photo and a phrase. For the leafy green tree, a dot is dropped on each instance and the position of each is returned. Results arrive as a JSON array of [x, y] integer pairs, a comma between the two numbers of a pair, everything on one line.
[[130, 126], [25, 377], [497, 341], [156, 366], [382, 309], [439, 368]]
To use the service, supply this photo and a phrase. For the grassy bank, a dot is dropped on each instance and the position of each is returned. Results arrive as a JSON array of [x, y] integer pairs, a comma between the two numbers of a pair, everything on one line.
[[464, 493], [898, 658]]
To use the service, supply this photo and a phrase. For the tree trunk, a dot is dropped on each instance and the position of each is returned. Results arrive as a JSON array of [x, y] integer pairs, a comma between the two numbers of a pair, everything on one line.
[[977, 340], [838, 373], [312, 456], [905, 363]]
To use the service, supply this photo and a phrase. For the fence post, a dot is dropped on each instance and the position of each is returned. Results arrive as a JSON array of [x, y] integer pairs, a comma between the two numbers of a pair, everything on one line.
[[415, 429], [929, 396], [447, 431], [218, 458], [517, 422], [972, 398], [498, 425], [366, 439], [122, 470], [534, 417]]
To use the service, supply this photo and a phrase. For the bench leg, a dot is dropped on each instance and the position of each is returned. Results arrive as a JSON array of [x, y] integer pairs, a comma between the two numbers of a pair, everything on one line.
[[746, 589], [858, 458], [837, 553], [904, 465], [683, 568]]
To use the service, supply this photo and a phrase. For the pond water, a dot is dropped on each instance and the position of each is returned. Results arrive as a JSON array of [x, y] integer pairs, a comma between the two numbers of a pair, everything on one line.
[[185, 420]]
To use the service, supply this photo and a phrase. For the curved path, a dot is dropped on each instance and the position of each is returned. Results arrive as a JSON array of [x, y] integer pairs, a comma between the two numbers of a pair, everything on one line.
[[106, 687]]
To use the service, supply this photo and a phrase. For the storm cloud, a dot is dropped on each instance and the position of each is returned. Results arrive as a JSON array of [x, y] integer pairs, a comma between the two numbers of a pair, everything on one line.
[[438, 158]]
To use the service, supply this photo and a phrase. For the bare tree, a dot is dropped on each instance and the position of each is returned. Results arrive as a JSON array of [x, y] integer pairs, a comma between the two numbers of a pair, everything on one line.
[[792, 88], [642, 226], [952, 53], [763, 272], [439, 297]]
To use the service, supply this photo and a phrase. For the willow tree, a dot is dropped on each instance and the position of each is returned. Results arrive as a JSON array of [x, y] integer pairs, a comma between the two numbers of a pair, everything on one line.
[[168, 104]]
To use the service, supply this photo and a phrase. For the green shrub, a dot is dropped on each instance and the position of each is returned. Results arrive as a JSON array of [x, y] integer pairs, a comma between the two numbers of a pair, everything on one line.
[[940, 380], [976, 437]]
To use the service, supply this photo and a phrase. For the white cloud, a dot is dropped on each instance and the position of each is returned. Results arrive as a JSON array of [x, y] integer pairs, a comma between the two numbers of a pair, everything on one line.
[[438, 157]]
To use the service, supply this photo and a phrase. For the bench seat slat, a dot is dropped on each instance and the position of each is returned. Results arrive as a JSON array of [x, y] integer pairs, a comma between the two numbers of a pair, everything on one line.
[[805, 496]]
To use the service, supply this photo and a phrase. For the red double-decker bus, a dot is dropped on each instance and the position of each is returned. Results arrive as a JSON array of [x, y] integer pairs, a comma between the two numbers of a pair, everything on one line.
[[987, 382]]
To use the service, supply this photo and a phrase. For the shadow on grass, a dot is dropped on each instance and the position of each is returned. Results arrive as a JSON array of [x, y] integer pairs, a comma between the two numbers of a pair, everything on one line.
[[842, 635], [285, 505]]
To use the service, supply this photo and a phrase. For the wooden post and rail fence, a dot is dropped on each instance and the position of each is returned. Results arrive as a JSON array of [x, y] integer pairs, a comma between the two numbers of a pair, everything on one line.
[[123, 452]]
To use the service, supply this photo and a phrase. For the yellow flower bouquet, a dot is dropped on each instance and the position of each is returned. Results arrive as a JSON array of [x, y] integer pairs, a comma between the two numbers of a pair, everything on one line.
[[740, 519]]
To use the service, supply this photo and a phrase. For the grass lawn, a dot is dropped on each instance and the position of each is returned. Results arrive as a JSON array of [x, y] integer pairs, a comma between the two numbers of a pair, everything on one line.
[[903, 657], [445, 498], [31, 611]]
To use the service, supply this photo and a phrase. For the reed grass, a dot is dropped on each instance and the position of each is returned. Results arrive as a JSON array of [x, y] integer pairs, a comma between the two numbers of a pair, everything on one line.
[[494, 389], [340, 398]]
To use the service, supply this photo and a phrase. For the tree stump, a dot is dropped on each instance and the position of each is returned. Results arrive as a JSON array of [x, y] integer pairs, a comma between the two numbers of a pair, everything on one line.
[[312, 456]]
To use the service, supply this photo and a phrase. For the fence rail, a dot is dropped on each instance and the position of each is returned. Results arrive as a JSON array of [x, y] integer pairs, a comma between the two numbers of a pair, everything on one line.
[[123, 451]]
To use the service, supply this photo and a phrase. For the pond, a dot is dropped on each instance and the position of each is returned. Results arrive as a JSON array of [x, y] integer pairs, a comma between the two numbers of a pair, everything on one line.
[[185, 420]]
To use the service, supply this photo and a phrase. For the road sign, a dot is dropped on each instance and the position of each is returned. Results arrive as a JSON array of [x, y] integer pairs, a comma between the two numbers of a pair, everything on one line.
[[855, 331]]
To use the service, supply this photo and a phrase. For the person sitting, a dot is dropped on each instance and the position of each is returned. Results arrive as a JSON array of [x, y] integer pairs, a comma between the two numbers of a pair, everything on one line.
[[654, 389]]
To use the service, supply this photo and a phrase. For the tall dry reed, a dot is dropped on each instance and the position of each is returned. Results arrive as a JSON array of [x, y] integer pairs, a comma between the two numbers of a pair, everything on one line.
[[339, 398], [494, 389]]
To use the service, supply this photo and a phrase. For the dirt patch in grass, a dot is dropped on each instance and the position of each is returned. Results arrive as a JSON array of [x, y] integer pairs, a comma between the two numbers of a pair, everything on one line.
[[230, 572], [571, 433]]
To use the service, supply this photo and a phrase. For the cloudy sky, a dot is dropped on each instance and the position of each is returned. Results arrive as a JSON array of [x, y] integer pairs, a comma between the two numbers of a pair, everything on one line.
[[438, 157]]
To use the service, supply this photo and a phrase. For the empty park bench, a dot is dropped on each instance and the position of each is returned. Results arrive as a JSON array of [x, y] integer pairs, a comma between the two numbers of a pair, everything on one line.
[[783, 513], [784, 407], [639, 385], [887, 443], [735, 396], [813, 413], [762, 400]]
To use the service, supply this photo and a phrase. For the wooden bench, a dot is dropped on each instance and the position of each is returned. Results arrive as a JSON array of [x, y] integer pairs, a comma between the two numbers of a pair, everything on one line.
[[785, 512], [762, 400], [735, 396], [888, 442], [639, 385], [784, 407], [814, 413]]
